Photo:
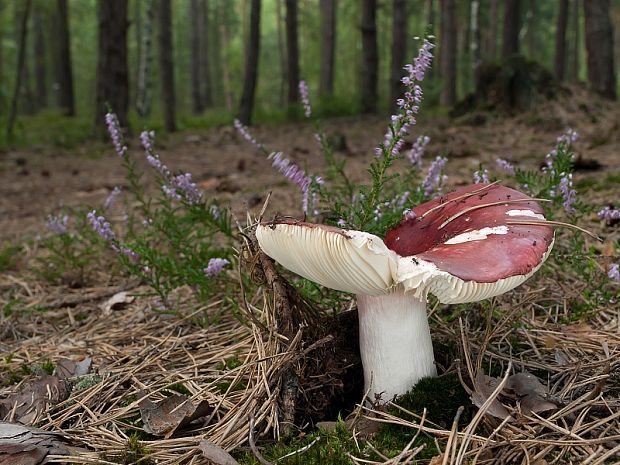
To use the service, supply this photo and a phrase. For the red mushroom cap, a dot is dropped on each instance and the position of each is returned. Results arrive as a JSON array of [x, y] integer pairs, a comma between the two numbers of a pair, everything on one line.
[[468, 234]]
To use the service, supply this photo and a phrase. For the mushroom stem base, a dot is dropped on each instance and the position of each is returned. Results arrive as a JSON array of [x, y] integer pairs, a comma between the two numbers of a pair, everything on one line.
[[395, 344]]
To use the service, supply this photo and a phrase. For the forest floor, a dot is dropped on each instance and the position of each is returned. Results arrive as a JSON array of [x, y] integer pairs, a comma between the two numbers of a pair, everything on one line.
[[135, 350]]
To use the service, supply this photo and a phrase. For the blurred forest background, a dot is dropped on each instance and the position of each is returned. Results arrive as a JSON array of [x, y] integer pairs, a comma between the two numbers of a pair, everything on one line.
[[174, 64]]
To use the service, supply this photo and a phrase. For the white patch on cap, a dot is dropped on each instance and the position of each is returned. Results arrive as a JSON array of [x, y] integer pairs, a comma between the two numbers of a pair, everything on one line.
[[529, 213], [477, 235]]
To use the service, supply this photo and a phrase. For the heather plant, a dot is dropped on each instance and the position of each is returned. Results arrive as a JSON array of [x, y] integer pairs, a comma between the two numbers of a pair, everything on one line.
[[176, 237], [168, 237], [70, 248]]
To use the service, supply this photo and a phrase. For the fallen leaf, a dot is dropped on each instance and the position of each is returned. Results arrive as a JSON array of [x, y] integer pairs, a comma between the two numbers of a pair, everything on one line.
[[117, 302], [483, 389], [531, 391], [550, 342], [216, 454], [67, 368], [561, 358], [21, 445], [164, 418], [525, 383], [33, 398]]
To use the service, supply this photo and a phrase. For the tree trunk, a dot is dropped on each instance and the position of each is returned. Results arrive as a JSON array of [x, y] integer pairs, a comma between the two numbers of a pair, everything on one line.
[[370, 57], [600, 48], [328, 46], [531, 30], [430, 21], [40, 62], [292, 52], [474, 45], [560, 40], [512, 23], [281, 53], [112, 68], [196, 33], [490, 52], [448, 55], [26, 99], [205, 61], [399, 50], [576, 42], [66, 97], [225, 41], [251, 65], [166, 65], [145, 67], [21, 62]]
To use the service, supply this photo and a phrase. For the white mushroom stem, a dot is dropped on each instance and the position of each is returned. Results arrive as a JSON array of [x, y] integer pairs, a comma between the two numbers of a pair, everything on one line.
[[395, 343]]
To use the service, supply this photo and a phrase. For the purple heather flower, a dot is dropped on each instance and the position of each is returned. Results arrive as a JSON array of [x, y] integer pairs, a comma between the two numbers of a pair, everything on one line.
[[295, 174], [115, 134], [245, 133], [409, 215], [434, 178], [171, 192], [146, 138], [57, 224], [109, 201], [569, 137], [402, 200], [609, 214], [215, 267], [410, 104], [481, 175], [568, 193], [183, 184], [305, 98], [341, 222], [101, 226], [417, 150], [614, 272], [506, 166], [127, 252]]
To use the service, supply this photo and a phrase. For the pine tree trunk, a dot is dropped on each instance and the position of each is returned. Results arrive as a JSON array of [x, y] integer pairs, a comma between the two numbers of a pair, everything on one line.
[[474, 45], [510, 44], [370, 57], [576, 42], [430, 21], [292, 52], [225, 42], [205, 61], [281, 53], [560, 40], [166, 65], [600, 48], [251, 65], [26, 99], [143, 98], [196, 33], [64, 78], [328, 46], [112, 67], [21, 61], [38, 50], [531, 30], [490, 52], [399, 50], [448, 54]]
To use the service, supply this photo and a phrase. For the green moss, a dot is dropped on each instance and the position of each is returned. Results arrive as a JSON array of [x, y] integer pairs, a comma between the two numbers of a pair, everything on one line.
[[331, 448], [135, 453], [441, 397]]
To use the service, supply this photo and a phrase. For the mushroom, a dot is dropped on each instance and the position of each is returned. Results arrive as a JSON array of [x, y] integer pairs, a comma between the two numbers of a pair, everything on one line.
[[477, 242]]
